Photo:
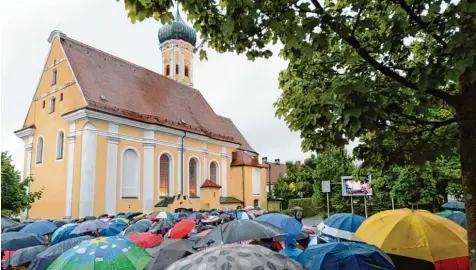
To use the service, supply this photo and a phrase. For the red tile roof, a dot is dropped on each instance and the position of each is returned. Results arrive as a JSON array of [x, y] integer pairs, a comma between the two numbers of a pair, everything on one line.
[[236, 134], [240, 158], [210, 184], [276, 170], [140, 94]]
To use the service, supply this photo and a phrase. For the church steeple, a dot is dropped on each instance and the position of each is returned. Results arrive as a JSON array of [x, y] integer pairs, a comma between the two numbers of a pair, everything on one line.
[[177, 41]]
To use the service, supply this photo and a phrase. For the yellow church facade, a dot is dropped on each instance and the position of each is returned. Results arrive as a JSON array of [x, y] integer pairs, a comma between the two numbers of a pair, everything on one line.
[[103, 135]]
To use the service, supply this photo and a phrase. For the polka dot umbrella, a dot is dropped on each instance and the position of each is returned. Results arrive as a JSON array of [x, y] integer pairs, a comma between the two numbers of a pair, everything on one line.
[[103, 253]]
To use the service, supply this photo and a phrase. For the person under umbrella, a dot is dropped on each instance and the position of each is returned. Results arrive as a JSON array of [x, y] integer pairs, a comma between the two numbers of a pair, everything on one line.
[[168, 252], [457, 216], [45, 258], [236, 256], [24, 256], [290, 247], [18, 240], [91, 226], [41, 227]]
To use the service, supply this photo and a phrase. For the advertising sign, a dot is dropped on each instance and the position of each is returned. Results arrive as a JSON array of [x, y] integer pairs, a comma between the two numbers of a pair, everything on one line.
[[354, 187]]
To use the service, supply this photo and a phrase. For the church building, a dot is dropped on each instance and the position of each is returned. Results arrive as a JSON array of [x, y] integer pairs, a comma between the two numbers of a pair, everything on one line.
[[103, 135]]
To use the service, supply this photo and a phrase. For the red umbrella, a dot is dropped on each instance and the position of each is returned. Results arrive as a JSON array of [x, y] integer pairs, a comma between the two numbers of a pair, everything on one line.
[[8, 253], [182, 228], [145, 239], [203, 233]]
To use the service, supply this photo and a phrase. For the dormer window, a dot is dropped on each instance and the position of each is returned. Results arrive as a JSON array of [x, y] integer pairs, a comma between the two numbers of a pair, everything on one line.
[[53, 76], [52, 104]]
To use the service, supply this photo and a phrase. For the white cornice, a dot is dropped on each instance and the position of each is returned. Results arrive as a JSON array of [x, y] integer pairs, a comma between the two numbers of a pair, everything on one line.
[[25, 133]]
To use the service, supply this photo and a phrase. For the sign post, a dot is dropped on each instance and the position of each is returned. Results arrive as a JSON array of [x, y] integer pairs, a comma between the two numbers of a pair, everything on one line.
[[352, 187], [326, 187]]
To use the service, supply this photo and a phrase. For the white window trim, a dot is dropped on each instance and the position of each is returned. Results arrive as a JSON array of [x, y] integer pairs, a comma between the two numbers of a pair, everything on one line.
[[52, 106], [218, 170], [64, 138], [122, 166], [171, 173], [252, 182], [198, 182], [54, 76], [42, 150]]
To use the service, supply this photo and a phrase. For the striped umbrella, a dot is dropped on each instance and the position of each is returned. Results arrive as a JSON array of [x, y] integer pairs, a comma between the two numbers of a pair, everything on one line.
[[243, 215], [163, 214], [63, 233]]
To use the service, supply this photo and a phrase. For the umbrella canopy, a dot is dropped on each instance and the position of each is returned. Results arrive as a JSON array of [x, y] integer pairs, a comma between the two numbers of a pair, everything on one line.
[[7, 255], [416, 234], [453, 205], [227, 208], [7, 223], [113, 229], [45, 258], [162, 226], [63, 233], [132, 214], [163, 214], [180, 216], [345, 256], [205, 227], [138, 227], [59, 223], [239, 230], [15, 228], [182, 228], [119, 219], [41, 227], [18, 240], [341, 226], [457, 216], [90, 226], [243, 215], [24, 255], [285, 222], [145, 239], [168, 252], [103, 253], [236, 256]]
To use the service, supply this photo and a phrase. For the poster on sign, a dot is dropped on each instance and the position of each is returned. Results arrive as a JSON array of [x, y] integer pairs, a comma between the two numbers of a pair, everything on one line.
[[354, 187]]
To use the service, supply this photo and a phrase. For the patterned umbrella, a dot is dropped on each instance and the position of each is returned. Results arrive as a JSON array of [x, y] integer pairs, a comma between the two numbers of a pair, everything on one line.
[[145, 239], [63, 233], [103, 253], [41, 227], [163, 214], [119, 219], [236, 256], [17, 240], [24, 255], [243, 215]]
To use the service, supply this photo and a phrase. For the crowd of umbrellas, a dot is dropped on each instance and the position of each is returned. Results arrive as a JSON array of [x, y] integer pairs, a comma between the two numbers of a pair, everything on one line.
[[238, 239]]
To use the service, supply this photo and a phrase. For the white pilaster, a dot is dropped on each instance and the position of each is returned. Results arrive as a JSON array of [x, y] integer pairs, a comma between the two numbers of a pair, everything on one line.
[[88, 171], [111, 171], [190, 70], [148, 185], [70, 173], [180, 161], [172, 63], [224, 169], [28, 151], [181, 65], [205, 162]]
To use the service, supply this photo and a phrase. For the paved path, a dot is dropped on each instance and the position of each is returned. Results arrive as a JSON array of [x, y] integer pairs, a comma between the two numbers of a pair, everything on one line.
[[311, 221]]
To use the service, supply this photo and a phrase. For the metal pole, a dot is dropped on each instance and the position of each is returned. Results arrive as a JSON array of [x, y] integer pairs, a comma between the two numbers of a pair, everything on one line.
[[328, 213], [365, 206], [351, 203], [393, 204]]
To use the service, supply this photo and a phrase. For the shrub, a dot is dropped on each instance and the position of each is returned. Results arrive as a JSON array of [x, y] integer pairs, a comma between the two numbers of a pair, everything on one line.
[[309, 206]]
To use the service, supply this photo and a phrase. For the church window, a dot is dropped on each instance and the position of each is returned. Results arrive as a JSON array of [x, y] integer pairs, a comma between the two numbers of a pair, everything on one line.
[[256, 181], [192, 177], [44, 104], [52, 104], [186, 71], [39, 150], [53, 76], [167, 70], [214, 171], [165, 170], [60, 145], [61, 97], [130, 174], [176, 69]]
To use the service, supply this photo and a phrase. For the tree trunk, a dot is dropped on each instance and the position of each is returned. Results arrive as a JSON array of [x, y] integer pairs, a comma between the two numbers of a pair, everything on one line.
[[466, 113]]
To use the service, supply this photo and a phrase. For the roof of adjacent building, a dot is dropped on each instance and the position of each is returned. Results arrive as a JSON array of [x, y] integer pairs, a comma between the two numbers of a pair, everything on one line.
[[240, 158], [229, 200], [210, 184], [165, 202], [276, 170], [178, 29], [116, 86], [236, 134]]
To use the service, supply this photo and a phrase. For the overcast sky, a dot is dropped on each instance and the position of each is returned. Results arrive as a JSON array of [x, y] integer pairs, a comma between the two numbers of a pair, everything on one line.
[[234, 87]]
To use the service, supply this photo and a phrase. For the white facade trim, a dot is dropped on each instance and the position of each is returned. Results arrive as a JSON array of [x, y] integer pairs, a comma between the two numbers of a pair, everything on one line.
[[148, 179], [172, 64], [70, 172], [224, 176], [25, 132], [171, 173], [59, 88], [205, 164], [180, 170], [199, 182], [88, 171], [111, 169], [122, 169], [54, 64]]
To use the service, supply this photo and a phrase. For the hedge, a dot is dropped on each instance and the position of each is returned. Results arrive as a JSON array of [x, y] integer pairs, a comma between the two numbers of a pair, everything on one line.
[[309, 205]]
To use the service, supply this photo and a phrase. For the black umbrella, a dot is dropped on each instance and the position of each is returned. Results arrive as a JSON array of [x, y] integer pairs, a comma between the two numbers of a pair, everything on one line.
[[7, 223], [162, 224], [24, 255], [74, 220], [169, 251], [45, 258], [15, 228], [132, 214], [239, 230], [205, 227], [224, 216], [141, 226], [18, 240], [59, 223]]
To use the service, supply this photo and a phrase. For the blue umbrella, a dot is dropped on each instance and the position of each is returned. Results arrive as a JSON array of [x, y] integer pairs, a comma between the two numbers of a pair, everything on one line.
[[15, 228], [285, 222], [18, 240], [59, 223], [453, 205], [7, 223], [90, 226], [63, 233], [345, 256], [114, 229], [457, 216], [40, 227], [341, 226], [24, 255]]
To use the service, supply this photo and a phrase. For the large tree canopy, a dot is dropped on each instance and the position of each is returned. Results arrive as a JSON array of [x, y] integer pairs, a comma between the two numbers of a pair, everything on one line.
[[398, 74]]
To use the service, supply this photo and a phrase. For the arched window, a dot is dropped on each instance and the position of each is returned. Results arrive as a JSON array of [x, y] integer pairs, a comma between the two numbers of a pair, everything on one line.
[[52, 104], [176, 69], [130, 174], [39, 150], [186, 71], [167, 70], [54, 73], [192, 177], [164, 175], [60, 145], [214, 171]]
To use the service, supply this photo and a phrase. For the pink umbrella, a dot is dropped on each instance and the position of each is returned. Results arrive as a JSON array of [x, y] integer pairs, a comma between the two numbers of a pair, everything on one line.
[[203, 233]]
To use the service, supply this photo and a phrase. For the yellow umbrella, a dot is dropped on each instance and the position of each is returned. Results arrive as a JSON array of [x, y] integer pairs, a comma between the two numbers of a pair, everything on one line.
[[416, 234]]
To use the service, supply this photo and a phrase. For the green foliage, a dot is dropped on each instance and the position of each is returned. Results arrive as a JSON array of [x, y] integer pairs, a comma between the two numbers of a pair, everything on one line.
[[14, 197], [309, 205]]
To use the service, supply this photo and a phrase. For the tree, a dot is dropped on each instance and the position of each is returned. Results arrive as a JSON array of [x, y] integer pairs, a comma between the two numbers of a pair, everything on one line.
[[14, 196], [397, 74]]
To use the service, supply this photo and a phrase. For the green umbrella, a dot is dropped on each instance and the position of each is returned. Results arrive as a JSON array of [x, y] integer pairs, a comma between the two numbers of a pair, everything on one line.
[[103, 253]]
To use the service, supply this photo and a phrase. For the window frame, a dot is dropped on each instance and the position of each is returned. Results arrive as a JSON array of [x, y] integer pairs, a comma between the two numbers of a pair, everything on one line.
[[197, 177], [54, 76], [60, 132], [39, 162], [170, 175], [52, 107], [137, 180], [217, 168]]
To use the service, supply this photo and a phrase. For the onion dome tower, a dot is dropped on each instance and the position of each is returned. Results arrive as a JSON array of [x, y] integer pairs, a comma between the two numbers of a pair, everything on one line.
[[177, 41]]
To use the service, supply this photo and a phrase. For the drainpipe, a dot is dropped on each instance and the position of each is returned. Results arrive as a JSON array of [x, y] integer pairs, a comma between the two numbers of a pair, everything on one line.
[[269, 185], [243, 181], [181, 160]]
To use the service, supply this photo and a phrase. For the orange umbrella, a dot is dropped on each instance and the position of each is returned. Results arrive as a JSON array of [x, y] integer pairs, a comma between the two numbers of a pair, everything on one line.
[[145, 239], [182, 228]]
